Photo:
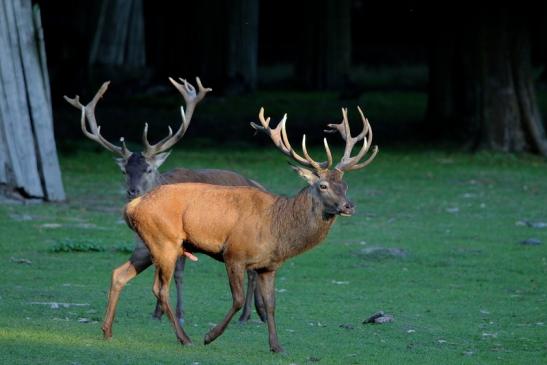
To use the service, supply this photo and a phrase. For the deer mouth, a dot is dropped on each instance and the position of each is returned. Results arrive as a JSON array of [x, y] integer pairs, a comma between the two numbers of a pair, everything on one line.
[[347, 212]]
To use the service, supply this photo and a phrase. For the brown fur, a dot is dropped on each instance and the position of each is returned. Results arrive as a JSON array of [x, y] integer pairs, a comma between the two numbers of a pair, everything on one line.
[[141, 258], [247, 229]]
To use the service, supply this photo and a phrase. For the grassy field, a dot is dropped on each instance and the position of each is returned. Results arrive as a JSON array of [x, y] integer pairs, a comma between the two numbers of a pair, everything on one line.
[[464, 290]]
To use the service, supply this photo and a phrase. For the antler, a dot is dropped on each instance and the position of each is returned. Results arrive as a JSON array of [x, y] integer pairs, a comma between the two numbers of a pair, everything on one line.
[[348, 163], [280, 139], [88, 111], [192, 99]]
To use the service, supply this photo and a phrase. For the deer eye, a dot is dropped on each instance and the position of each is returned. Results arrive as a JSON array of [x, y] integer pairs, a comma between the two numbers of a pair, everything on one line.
[[323, 186], [149, 170]]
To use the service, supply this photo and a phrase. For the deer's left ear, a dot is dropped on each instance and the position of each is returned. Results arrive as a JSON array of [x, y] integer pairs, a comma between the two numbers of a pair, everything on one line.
[[121, 163], [159, 159], [306, 174]]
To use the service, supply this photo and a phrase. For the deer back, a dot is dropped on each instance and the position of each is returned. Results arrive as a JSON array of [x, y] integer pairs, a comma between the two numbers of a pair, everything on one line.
[[207, 176], [213, 218]]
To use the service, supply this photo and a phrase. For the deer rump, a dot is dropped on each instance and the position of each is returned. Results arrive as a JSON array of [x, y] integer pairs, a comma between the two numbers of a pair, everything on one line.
[[177, 220]]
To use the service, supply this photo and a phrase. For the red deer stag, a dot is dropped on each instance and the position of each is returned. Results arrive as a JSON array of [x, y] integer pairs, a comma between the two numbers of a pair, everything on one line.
[[248, 228], [141, 172]]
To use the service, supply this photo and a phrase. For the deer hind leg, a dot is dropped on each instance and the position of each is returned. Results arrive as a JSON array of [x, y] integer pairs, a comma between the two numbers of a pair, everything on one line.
[[236, 277], [179, 283], [164, 272], [140, 260], [266, 283]]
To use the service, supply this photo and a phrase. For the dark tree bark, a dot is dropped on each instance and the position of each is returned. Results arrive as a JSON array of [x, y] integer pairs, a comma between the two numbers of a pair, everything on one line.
[[486, 87], [325, 54], [119, 44], [28, 158], [218, 42], [441, 87], [242, 46]]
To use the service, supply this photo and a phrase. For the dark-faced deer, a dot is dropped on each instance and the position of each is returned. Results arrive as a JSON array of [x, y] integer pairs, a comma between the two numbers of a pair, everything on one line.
[[141, 175], [248, 228]]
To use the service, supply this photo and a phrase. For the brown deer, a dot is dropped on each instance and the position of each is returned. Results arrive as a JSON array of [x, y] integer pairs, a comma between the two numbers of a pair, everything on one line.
[[248, 228], [141, 175]]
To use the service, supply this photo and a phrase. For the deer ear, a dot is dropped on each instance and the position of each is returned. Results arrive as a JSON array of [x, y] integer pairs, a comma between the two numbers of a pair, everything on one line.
[[121, 163], [159, 159], [308, 175]]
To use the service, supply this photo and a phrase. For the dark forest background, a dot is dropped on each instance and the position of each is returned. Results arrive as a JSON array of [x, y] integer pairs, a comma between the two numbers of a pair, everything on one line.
[[449, 73]]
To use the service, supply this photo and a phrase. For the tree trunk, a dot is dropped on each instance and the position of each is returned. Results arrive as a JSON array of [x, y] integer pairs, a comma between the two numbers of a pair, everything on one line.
[[492, 97], [242, 46], [28, 165], [325, 57], [441, 86], [119, 42]]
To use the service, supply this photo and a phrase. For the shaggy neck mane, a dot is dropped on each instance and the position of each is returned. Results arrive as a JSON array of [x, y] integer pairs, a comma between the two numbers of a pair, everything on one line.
[[299, 223]]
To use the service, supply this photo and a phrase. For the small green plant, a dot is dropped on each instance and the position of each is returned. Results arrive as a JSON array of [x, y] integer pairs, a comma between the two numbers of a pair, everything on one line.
[[76, 246]]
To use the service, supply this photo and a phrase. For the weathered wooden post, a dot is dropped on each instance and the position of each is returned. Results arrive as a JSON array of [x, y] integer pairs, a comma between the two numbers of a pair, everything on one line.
[[29, 167]]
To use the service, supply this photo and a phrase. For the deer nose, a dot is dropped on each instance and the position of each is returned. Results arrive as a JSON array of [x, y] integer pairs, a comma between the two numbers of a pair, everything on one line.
[[347, 209], [132, 193]]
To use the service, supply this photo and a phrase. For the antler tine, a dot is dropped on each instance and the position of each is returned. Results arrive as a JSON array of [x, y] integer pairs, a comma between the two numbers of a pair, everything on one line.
[[348, 163], [366, 142], [287, 144], [88, 112], [147, 145], [341, 127], [314, 163], [329, 154], [191, 98], [124, 147], [363, 164], [279, 137]]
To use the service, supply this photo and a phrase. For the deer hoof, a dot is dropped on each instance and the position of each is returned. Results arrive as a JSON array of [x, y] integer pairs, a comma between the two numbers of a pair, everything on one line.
[[208, 339], [244, 319], [277, 349], [186, 342], [107, 333]]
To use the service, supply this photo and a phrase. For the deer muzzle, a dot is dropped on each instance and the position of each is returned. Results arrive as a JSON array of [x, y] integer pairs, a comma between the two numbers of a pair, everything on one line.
[[347, 209]]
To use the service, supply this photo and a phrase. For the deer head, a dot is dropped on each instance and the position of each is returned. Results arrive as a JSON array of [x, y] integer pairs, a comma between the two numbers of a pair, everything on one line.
[[141, 168], [326, 184]]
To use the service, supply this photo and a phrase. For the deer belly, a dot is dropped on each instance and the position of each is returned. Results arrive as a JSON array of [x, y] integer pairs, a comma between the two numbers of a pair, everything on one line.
[[206, 238], [208, 229]]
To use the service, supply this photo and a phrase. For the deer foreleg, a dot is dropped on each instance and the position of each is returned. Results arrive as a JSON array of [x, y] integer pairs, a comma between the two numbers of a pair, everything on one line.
[[236, 277], [253, 292], [179, 283], [251, 287], [259, 301], [266, 283]]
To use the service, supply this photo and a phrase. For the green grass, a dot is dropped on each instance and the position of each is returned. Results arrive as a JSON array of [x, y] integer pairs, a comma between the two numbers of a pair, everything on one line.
[[467, 293]]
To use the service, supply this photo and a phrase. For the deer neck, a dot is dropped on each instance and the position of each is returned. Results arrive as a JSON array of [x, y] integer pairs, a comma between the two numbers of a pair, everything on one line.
[[299, 223]]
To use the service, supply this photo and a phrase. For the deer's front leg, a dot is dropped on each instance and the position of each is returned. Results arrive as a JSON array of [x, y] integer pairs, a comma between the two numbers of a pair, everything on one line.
[[251, 288], [236, 273], [266, 283]]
